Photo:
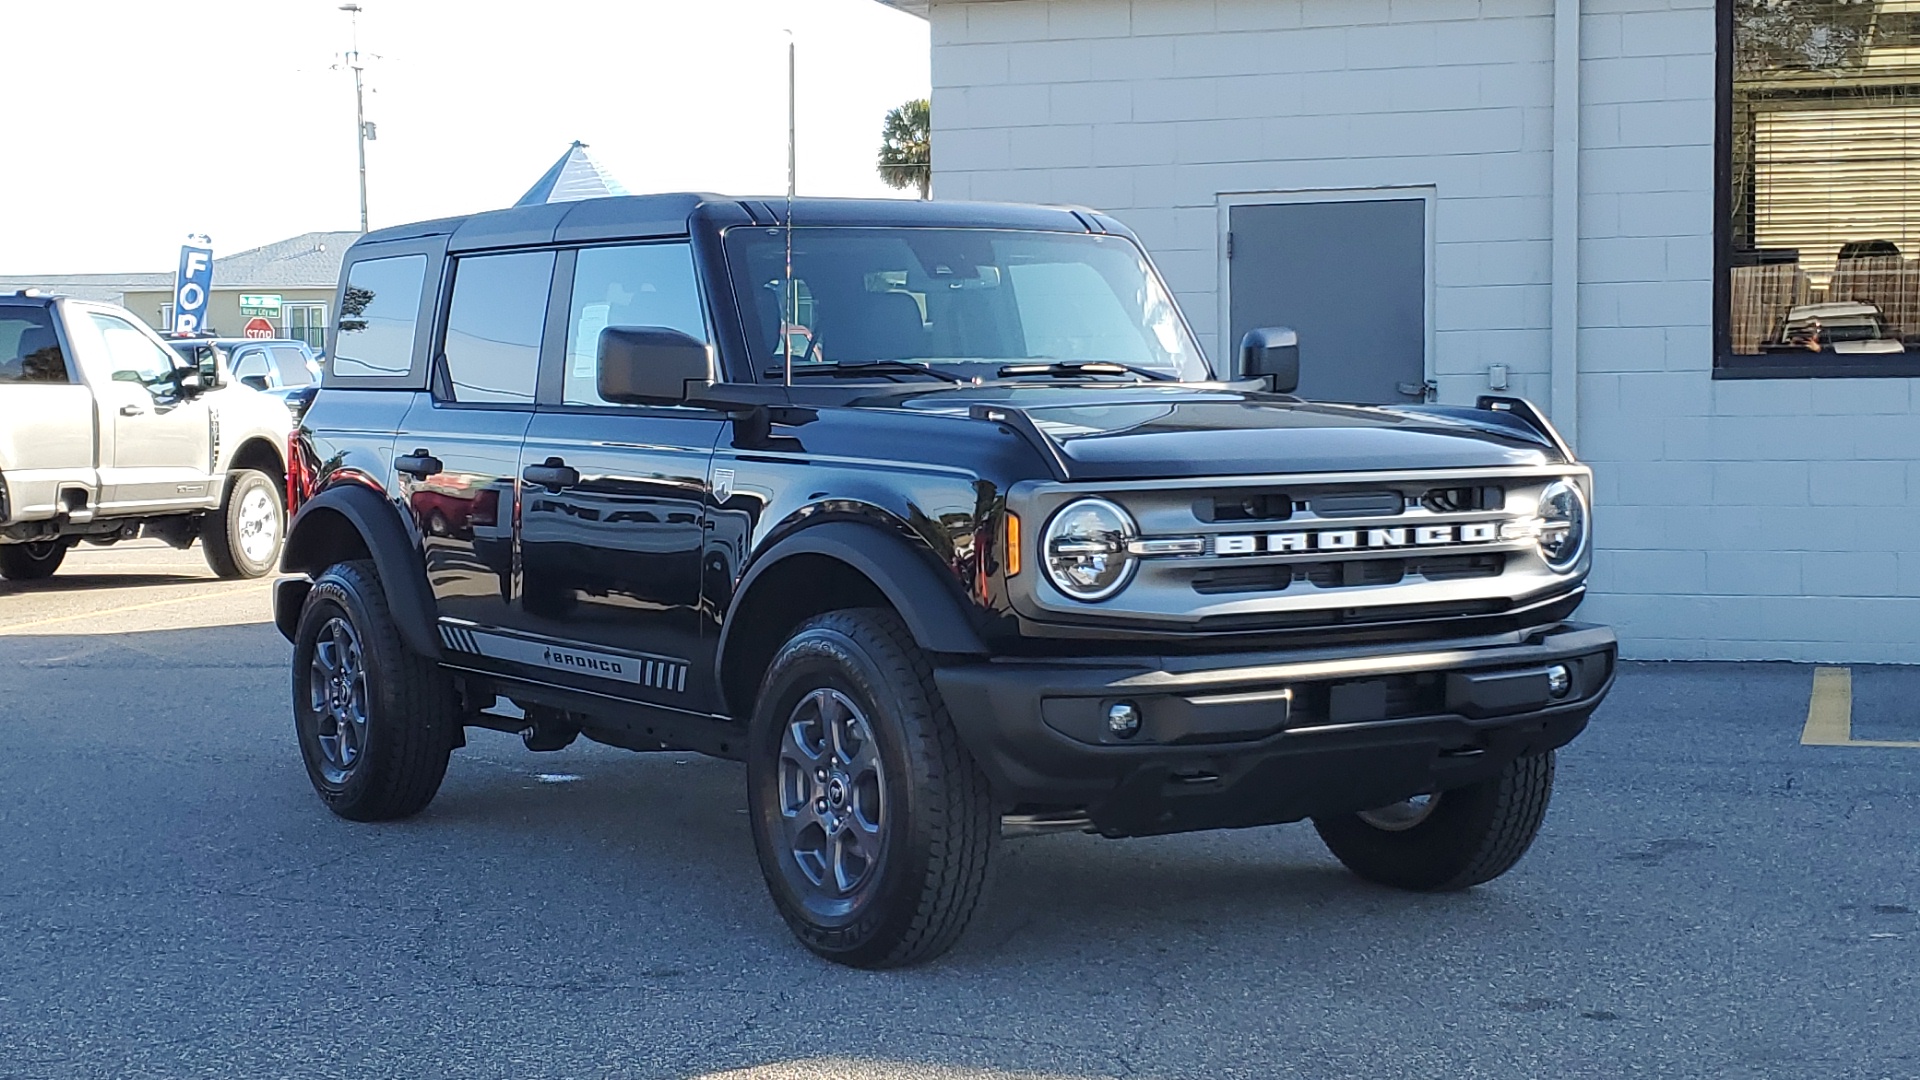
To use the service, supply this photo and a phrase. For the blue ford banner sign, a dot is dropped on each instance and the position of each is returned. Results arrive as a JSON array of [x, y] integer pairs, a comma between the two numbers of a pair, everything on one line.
[[190, 288]]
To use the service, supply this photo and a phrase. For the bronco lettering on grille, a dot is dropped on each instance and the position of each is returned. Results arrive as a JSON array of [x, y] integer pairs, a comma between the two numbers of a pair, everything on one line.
[[1399, 536]]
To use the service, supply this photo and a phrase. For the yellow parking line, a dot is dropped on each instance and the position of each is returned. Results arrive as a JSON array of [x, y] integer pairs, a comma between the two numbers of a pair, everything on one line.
[[1830, 713], [107, 613]]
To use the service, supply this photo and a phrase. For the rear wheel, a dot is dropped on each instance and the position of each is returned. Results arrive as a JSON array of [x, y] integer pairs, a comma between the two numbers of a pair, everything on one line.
[[376, 723], [1450, 840], [873, 824], [29, 562], [242, 538]]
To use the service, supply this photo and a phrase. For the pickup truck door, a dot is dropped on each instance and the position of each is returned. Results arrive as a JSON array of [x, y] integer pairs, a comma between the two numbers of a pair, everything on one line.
[[161, 452], [46, 417]]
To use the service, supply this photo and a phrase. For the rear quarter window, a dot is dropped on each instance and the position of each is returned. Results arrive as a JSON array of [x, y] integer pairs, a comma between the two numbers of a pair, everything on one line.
[[29, 349], [379, 315]]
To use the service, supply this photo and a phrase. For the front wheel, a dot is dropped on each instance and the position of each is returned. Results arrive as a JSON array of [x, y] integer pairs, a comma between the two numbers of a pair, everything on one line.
[[873, 825], [376, 723], [242, 538], [30, 562], [1450, 840]]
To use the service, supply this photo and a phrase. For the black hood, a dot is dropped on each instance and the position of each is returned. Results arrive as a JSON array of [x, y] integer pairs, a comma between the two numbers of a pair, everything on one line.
[[1150, 430]]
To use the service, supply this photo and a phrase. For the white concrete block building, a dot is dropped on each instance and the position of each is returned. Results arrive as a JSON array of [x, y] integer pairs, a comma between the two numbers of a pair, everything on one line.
[[1678, 226]]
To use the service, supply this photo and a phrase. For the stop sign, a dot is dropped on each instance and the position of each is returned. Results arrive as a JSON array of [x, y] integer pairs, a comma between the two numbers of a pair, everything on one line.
[[258, 328]]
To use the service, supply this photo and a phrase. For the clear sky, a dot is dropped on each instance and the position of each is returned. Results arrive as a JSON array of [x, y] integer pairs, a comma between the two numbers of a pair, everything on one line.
[[131, 123]]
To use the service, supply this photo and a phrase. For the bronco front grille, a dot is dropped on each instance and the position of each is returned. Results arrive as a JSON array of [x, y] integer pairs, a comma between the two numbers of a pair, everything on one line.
[[1316, 550]]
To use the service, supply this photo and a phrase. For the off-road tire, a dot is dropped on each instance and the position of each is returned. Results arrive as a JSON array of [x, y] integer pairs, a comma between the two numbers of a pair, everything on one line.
[[1474, 834], [413, 714], [31, 562], [940, 822], [221, 537]]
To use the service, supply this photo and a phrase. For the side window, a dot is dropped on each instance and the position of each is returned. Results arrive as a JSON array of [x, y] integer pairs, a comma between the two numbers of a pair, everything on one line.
[[642, 285], [250, 367], [29, 351], [291, 365], [378, 311], [494, 325], [134, 357]]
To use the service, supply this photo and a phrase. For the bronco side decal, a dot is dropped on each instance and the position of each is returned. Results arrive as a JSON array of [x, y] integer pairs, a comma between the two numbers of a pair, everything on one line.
[[655, 672]]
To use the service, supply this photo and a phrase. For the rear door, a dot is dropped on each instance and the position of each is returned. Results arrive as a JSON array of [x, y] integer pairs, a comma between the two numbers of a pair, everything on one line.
[[161, 456], [46, 416], [459, 445], [614, 498]]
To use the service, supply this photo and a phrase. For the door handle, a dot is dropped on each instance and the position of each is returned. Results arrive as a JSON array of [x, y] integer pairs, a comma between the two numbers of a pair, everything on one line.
[[418, 464], [552, 474], [131, 410]]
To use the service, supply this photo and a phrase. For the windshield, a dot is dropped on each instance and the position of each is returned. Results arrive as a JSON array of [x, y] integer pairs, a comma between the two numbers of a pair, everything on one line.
[[968, 302]]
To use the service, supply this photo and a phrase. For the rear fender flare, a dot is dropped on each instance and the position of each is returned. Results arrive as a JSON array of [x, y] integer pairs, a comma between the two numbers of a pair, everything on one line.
[[312, 547]]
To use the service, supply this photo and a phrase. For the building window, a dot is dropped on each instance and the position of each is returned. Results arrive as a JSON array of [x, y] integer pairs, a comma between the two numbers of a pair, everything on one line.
[[166, 318], [1819, 188], [305, 322]]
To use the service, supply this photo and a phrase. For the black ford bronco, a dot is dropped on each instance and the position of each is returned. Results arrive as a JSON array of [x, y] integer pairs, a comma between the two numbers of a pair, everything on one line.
[[937, 517]]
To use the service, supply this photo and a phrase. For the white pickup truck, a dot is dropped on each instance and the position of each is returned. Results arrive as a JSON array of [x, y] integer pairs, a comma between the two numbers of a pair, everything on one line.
[[106, 434]]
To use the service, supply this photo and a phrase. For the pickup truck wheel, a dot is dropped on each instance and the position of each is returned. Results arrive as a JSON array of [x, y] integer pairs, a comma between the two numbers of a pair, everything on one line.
[[1451, 840], [242, 538], [29, 562], [873, 825], [376, 723]]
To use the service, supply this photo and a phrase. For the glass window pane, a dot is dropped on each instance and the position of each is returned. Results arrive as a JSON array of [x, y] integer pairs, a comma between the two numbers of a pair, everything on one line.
[[643, 285], [133, 357], [377, 316], [291, 366], [494, 325], [965, 301], [1824, 179], [29, 350]]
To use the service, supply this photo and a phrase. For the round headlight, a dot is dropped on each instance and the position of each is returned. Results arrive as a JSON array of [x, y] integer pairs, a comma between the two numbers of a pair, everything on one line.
[[1085, 549], [1563, 524]]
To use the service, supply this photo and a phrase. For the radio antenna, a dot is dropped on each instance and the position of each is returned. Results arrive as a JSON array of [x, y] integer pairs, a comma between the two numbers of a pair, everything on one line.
[[791, 315]]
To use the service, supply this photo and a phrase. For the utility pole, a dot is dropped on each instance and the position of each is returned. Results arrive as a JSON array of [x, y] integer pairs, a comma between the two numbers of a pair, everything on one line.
[[359, 108]]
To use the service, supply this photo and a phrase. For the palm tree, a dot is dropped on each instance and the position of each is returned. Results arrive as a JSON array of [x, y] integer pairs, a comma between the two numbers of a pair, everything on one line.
[[905, 158]]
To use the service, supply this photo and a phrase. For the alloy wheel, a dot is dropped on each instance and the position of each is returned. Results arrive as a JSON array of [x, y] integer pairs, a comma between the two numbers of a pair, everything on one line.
[[832, 792], [337, 693], [259, 525]]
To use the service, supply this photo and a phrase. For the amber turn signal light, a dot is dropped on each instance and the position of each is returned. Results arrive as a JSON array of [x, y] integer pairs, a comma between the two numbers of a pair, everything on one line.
[[1012, 556]]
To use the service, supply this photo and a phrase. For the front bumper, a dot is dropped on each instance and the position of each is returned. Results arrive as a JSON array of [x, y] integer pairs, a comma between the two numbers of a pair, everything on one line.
[[1240, 739]]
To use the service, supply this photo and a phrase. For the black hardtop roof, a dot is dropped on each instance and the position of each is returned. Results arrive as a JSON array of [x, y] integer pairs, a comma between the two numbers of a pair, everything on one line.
[[642, 216]]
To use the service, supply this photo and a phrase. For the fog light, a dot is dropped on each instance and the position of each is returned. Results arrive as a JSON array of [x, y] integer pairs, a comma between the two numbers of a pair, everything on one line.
[[1123, 719], [1559, 680]]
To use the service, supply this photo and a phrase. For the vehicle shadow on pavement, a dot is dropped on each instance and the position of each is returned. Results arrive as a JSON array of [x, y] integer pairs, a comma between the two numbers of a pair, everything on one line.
[[60, 583]]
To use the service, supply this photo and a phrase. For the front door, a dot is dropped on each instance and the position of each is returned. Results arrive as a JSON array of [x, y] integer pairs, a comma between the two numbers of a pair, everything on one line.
[[1350, 276], [162, 448], [458, 451], [614, 498]]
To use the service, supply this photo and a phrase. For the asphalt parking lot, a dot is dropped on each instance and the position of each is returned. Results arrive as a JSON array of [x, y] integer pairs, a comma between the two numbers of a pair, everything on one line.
[[1711, 897]]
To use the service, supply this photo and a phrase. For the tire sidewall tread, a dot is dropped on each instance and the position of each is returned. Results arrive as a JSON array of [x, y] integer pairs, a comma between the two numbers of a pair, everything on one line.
[[941, 821], [412, 713]]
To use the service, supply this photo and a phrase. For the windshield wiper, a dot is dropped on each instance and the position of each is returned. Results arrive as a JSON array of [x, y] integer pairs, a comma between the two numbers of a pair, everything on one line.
[[1068, 369], [861, 370]]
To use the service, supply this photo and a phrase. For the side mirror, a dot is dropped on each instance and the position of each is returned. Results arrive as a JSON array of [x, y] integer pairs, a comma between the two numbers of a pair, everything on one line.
[[258, 382], [189, 381], [1271, 353], [650, 365]]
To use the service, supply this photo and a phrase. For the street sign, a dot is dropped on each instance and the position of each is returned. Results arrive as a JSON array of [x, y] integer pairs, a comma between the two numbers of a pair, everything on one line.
[[257, 328], [191, 284], [267, 304]]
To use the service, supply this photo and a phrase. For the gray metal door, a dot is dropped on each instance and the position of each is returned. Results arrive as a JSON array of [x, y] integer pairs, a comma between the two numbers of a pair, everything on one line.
[[1350, 277]]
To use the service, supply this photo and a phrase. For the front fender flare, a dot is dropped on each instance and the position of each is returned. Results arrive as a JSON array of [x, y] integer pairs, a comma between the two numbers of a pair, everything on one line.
[[928, 601], [396, 558]]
